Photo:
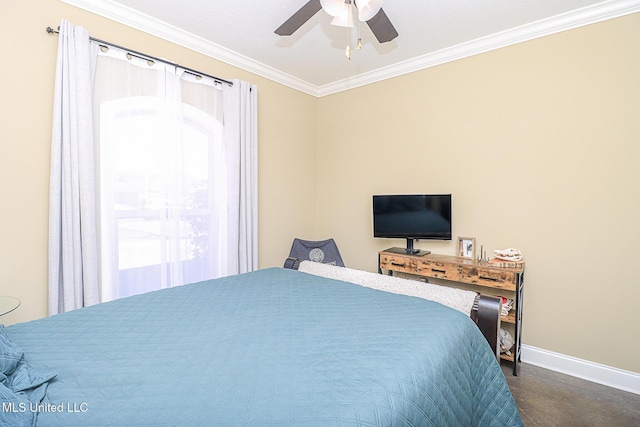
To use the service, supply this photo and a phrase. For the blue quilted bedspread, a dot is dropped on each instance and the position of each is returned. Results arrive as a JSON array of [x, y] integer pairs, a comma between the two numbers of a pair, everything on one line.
[[274, 347]]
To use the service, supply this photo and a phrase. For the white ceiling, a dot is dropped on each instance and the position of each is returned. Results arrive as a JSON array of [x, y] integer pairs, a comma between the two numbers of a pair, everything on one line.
[[241, 32]]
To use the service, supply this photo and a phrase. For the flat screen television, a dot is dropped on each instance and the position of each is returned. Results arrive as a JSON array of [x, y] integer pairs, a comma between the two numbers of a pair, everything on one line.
[[412, 217]]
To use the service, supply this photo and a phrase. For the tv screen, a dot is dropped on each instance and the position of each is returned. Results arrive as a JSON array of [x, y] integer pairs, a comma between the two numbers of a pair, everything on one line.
[[414, 216]]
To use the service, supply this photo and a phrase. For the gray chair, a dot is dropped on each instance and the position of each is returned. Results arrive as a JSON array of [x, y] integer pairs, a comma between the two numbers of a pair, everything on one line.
[[324, 251]]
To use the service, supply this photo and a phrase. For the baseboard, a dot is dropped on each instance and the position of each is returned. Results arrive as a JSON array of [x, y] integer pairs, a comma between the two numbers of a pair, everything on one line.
[[590, 371]]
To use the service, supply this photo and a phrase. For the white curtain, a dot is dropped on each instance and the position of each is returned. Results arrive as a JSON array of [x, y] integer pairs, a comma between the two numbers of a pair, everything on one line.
[[174, 196], [241, 140], [73, 256]]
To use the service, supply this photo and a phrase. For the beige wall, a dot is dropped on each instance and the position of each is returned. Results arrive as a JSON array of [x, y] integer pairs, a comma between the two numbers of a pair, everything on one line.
[[539, 145], [286, 144]]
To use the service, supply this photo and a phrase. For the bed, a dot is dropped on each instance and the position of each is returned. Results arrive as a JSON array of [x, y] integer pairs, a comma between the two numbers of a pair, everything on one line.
[[484, 310], [275, 347]]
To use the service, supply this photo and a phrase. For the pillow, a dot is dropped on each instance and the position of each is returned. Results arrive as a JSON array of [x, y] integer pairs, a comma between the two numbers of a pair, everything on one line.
[[10, 354], [20, 384], [15, 410]]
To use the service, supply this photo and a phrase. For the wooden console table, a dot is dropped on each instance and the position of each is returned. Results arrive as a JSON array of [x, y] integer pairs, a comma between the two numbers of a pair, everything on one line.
[[498, 281]]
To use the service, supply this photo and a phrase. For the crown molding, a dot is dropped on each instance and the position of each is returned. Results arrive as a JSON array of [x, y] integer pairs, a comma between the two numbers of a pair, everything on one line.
[[139, 21], [555, 24], [563, 22]]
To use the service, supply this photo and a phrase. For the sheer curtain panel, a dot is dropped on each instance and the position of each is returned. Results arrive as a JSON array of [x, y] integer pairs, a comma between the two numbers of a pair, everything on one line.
[[172, 210], [73, 255]]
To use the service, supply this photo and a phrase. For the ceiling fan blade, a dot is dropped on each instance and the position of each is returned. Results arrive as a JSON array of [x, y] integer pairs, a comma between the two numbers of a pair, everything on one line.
[[382, 27], [300, 17]]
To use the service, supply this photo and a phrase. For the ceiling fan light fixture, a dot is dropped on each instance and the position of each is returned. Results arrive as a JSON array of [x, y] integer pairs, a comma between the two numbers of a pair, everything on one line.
[[367, 9], [333, 7], [344, 20]]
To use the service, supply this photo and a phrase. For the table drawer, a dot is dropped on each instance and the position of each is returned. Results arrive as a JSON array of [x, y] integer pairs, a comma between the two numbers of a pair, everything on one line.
[[489, 277], [398, 263]]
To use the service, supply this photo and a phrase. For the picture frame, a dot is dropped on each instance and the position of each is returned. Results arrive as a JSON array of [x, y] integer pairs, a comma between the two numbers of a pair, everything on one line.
[[467, 247]]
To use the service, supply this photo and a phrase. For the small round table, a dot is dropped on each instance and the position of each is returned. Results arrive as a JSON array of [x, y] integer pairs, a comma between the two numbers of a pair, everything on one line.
[[8, 304]]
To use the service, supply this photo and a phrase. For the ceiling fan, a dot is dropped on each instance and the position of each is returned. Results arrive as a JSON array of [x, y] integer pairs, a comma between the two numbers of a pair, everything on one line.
[[369, 11]]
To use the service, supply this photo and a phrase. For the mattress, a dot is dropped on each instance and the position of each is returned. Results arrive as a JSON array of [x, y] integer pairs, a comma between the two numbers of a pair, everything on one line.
[[275, 347]]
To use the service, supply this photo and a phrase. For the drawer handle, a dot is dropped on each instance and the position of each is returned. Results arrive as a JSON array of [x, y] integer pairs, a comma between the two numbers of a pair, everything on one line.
[[435, 270], [397, 264], [493, 279]]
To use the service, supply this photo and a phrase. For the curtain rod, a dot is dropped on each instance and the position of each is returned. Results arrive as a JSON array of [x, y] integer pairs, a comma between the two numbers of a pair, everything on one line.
[[145, 56]]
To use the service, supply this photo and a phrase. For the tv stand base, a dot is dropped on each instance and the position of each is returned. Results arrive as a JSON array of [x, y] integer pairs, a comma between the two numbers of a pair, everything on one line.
[[405, 251]]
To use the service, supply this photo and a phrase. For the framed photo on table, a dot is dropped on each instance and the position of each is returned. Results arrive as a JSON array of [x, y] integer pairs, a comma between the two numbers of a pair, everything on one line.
[[467, 247]]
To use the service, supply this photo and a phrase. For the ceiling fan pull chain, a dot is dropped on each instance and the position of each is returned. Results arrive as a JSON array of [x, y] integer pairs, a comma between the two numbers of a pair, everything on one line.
[[348, 50]]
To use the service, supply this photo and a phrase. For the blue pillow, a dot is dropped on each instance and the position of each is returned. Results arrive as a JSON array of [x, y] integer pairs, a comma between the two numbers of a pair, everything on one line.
[[10, 354], [15, 410], [20, 384]]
